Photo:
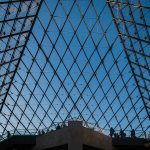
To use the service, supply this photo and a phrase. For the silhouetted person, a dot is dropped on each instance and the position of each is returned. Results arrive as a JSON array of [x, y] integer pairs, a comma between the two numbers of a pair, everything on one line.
[[43, 132], [122, 134], [58, 127], [116, 135], [39, 132], [133, 133], [112, 131], [8, 134]]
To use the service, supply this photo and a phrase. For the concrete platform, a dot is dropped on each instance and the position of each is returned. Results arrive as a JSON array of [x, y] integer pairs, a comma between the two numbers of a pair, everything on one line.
[[72, 137], [75, 136]]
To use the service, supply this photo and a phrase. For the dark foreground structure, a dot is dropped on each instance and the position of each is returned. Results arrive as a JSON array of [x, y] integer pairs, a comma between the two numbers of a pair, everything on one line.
[[73, 137]]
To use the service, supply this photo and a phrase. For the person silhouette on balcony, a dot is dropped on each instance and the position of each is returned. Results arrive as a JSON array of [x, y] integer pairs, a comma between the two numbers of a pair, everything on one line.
[[58, 127], [8, 134], [116, 135], [112, 131], [39, 132], [133, 133], [122, 134], [43, 132]]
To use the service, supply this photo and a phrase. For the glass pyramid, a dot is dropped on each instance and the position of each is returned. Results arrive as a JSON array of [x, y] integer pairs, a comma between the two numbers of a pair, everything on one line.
[[66, 60]]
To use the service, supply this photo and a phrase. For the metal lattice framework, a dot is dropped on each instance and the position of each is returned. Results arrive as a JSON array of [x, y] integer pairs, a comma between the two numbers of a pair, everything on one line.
[[74, 59], [132, 22], [16, 22]]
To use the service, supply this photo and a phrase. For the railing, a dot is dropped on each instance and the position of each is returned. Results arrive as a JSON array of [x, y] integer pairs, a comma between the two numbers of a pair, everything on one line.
[[65, 124], [18, 132]]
